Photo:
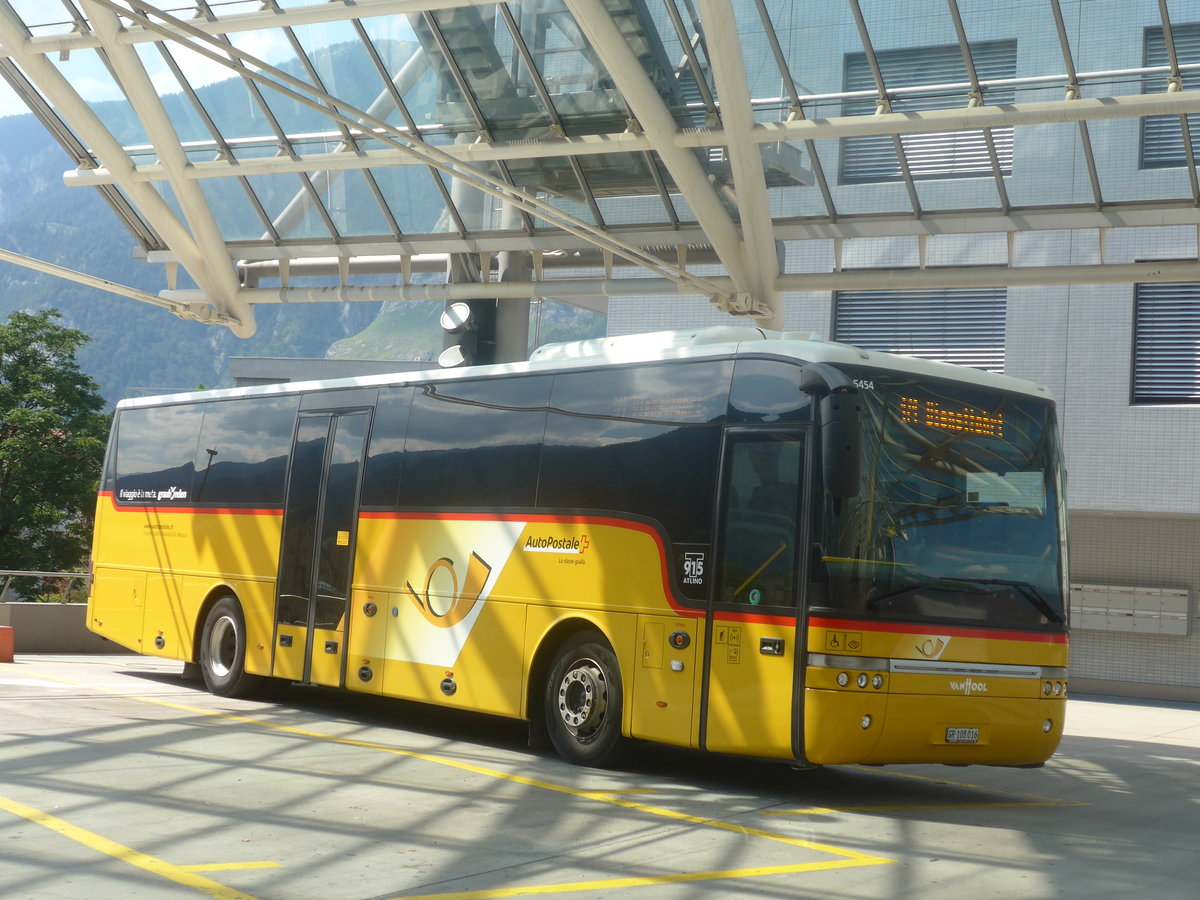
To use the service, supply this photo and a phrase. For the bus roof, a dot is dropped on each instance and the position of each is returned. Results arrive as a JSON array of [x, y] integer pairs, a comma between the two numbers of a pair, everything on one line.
[[717, 341]]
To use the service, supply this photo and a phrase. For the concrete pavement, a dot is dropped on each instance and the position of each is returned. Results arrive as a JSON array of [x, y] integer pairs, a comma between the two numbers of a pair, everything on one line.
[[119, 779]]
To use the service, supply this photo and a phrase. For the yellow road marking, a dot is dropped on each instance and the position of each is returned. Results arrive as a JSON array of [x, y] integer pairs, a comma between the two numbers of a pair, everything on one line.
[[230, 867], [609, 797], [152, 864], [846, 858], [647, 881]]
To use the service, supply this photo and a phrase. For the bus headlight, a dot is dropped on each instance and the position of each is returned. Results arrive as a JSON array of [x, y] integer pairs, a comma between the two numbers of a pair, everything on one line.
[[862, 679], [877, 681], [843, 679]]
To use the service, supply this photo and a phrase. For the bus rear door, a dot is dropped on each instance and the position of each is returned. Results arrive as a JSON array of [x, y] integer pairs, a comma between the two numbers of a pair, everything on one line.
[[750, 692], [317, 550]]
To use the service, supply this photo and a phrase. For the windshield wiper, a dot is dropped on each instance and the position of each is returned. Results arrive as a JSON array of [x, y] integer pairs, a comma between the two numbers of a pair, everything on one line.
[[1030, 593], [942, 584], [975, 586]]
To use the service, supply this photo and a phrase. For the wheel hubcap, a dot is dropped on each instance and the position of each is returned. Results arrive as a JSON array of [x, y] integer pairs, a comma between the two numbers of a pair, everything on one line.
[[583, 696], [222, 646]]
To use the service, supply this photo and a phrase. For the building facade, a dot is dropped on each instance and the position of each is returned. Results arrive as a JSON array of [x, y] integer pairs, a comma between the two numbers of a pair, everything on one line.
[[1122, 359]]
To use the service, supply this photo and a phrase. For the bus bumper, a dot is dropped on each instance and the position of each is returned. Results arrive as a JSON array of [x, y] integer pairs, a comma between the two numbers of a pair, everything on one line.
[[841, 727]]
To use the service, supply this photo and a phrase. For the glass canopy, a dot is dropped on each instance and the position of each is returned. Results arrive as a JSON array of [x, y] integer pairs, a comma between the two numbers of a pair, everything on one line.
[[279, 150]]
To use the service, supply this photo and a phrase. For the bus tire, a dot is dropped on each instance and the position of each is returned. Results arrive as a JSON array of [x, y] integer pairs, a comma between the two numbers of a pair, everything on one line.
[[583, 702], [223, 651]]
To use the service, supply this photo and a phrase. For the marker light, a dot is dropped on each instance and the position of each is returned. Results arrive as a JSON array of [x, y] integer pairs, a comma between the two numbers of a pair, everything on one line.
[[843, 679], [866, 722], [1046, 726]]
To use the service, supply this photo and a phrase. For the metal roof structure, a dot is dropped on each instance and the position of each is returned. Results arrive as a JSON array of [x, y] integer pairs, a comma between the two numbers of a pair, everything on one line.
[[273, 151]]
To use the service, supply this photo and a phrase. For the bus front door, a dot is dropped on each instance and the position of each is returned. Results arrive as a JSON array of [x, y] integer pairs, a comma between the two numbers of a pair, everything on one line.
[[317, 551], [750, 689]]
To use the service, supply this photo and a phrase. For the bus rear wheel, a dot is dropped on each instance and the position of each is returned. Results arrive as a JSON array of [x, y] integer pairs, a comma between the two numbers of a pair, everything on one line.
[[223, 651], [583, 702]]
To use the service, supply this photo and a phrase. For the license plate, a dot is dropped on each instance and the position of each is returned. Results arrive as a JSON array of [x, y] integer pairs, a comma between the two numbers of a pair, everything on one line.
[[962, 735]]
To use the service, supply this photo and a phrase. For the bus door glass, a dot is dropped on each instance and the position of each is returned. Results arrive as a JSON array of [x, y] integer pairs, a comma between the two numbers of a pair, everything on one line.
[[753, 636], [317, 551]]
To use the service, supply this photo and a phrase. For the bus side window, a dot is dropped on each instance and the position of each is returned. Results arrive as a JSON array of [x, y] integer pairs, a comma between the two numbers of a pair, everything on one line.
[[385, 459], [640, 439], [762, 501], [475, 444], [242, 456], [155, 448]]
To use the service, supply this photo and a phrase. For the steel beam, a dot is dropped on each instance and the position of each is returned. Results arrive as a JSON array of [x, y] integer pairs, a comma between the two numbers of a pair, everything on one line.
[[84, 122], [992, 276], [592, 293], [761, 262], [652, 238], [656, 121], [211, 269], [966, 119]]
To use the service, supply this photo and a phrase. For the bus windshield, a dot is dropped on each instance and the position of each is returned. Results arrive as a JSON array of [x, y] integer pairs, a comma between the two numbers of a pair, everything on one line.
[[960, 515]]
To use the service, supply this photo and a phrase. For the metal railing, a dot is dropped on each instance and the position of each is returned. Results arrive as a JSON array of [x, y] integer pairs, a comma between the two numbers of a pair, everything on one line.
[[7, 576]]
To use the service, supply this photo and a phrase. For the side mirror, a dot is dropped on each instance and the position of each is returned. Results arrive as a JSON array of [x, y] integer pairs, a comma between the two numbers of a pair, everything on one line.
[[840, 413], [841, 442]]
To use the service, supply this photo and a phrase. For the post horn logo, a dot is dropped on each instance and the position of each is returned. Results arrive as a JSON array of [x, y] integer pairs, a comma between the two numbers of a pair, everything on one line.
[[461, 603], [932, 647]]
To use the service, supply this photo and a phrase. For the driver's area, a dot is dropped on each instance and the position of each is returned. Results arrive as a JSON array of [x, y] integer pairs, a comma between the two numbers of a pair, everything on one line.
[[762, 482]]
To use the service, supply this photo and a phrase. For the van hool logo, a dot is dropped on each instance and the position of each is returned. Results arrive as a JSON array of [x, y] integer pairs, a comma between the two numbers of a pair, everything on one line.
[[574, 544], [441, 602], [969, 686]]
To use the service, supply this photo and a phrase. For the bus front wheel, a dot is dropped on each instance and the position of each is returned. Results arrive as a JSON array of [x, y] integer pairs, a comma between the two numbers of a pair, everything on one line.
[[223, 651], [583, 702]]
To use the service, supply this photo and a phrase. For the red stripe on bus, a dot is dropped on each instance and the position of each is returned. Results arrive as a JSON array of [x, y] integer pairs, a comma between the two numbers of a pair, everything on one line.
[[935, 628], [754, 618]]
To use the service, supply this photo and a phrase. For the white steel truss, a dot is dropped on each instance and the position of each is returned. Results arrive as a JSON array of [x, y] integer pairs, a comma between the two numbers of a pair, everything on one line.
[[623, 147]]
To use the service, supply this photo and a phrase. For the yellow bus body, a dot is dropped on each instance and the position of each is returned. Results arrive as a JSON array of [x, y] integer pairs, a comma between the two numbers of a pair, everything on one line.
[[411, 572], [154, 568]]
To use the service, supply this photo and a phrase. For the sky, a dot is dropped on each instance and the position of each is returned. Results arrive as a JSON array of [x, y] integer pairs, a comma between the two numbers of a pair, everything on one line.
[[92, 81], [9, 104]]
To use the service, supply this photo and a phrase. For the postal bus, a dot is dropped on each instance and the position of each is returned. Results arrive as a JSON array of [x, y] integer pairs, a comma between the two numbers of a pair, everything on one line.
[[739, 541]]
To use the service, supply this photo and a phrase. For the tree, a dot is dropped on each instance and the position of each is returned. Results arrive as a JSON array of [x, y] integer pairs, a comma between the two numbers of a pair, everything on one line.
[[52, 438]]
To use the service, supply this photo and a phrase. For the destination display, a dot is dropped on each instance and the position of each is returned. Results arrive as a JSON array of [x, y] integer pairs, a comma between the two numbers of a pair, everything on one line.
[[946, 417]]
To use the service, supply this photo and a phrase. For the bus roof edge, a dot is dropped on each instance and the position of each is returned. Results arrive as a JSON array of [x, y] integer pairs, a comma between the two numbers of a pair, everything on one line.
[[639, 344]]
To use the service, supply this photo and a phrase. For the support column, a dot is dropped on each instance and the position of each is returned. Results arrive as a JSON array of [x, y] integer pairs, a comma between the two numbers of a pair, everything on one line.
[[512, 316]]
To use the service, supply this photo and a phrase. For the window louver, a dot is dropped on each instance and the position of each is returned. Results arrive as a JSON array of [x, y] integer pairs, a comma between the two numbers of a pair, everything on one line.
[[1162, 136], [943, 154], [965, 326], [1166, 344]]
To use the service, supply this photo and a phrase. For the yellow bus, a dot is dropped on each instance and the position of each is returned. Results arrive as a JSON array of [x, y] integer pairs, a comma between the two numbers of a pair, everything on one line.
[[738, 541]]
